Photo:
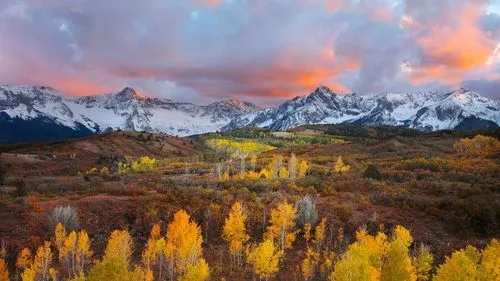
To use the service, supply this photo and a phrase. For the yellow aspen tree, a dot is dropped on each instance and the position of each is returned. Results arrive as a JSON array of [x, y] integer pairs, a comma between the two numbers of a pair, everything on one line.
[[326, 266], [185, 237], [67, 254], [4, 272], [234, 232], [266, 173], [83, 252], [307, 233], [340, 167], [28, 275], [282, 224], [283, 173], [423, 263], [200, 271], [460, 266], [489, 268], [303, 168], [363, 259], [264, 258], [24, 259], [319, 235], [160, 256], [114, 266], [149, 255], [309, 264], [398, 265], [225, 177], [59, 236], [42, 261]]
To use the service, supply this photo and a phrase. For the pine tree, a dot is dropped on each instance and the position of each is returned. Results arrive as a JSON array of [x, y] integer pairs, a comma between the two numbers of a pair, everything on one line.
[[234, 232]]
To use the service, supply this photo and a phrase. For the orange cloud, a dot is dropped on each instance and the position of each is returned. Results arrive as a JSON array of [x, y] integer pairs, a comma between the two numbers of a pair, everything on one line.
[[451, 48], [80, 86]]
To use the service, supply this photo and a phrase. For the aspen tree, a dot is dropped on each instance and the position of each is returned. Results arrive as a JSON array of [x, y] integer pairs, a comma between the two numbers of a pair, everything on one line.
[[234, 232], [4, 272], [282, 224], [264, 258]]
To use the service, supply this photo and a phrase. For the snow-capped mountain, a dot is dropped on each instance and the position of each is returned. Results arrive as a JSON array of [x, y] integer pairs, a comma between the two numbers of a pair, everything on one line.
[[32, 113], [32, 106], [461, 109]]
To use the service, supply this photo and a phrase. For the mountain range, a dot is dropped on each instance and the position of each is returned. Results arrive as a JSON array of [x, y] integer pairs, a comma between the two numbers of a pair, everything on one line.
[[40, 113]]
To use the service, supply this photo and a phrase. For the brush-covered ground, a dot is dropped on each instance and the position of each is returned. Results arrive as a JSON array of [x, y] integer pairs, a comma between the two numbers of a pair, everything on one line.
[[447, 199]]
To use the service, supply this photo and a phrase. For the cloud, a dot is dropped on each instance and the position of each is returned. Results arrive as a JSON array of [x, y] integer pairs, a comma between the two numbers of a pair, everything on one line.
[[264, 51]]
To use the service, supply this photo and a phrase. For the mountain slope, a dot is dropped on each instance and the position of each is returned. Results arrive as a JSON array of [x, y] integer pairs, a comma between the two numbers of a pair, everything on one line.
[[28, 107], [40, 113], [461, 109]]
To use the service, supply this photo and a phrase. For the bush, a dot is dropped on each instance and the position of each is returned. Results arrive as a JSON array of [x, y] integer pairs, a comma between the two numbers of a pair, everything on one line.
[[306, 211], [66, 215], [372, 172], [21, 188]]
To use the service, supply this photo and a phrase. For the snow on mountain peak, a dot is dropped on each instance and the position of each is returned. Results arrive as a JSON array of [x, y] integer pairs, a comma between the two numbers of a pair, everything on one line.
[[131, 110]]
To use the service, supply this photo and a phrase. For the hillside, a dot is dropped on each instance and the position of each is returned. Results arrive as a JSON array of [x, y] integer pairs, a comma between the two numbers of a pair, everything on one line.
[[447, 198]]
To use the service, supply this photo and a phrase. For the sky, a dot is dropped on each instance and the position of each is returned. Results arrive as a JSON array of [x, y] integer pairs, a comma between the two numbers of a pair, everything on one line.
[[263, 51]]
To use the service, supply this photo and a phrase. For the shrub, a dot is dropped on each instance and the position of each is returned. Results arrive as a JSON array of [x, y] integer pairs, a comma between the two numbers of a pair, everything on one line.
[[306, 211], [21, 188], [372, 172], [66, 215]]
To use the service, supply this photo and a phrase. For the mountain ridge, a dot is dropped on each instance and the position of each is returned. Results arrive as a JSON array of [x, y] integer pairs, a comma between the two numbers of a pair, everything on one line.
[[28, 106]]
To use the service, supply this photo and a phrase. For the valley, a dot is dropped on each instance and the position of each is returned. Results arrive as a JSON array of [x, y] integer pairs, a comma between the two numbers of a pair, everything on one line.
[[445, 195]]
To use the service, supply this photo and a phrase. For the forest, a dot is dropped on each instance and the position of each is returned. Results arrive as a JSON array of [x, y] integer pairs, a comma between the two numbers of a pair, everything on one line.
[[314, 203]]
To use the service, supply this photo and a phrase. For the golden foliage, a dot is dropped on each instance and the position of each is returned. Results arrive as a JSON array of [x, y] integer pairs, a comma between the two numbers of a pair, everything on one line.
[[340, 167], [398, 264], [478, 146], [24, 259], [303, 168], [363, 259], [423, 263], [309, 264], [282, 224], [234, 232], [199, 271], [144, 163], [184, 236], [4, 272], [264, 258], [283, 173]]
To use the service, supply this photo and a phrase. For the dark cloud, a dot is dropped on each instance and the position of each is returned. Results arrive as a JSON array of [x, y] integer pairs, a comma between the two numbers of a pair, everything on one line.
[[264, 51]]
